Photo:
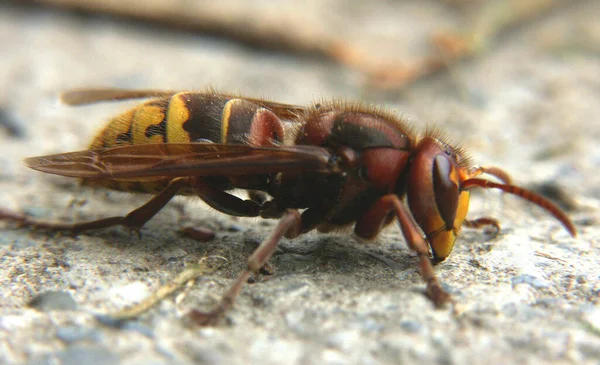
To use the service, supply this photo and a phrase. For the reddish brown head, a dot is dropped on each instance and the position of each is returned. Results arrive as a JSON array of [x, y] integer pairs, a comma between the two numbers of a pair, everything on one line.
[[436, 199], [438, 183]]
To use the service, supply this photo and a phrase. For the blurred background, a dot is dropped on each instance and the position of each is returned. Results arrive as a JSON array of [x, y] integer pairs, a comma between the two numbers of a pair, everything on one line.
[[516, 82], [453, 63]]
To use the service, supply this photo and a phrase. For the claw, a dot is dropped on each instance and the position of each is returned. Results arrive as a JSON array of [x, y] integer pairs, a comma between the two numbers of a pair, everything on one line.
[[438, 296], [137, 231], [267, 269]]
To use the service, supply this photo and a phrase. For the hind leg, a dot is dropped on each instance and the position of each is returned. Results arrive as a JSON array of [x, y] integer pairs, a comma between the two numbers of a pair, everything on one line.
[[218, 199], [134, 220]]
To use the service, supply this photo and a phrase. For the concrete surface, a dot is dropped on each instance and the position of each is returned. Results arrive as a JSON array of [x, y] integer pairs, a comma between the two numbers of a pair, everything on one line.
[[529, 295]]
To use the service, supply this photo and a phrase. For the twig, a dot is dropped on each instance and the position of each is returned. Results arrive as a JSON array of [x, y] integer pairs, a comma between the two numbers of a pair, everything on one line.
[[190, 273]]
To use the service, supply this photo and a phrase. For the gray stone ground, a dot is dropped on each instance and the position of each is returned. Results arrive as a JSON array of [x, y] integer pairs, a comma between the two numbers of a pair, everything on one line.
[[529, 295]]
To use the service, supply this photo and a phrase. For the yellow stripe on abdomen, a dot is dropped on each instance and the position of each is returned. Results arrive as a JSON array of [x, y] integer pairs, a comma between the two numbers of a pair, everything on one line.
[[177, 114], [149, 122], [225, 119]]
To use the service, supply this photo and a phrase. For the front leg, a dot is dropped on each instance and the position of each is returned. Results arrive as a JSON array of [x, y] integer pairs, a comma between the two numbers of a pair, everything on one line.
[[371, 223]]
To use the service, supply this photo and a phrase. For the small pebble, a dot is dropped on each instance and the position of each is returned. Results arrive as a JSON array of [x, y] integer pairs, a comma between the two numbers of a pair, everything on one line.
[[411, 326], [71, 334], [79, 355], [529, 279], [53, 300]]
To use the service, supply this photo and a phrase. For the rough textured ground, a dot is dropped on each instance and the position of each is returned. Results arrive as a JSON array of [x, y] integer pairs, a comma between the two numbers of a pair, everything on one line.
[[529, 295]]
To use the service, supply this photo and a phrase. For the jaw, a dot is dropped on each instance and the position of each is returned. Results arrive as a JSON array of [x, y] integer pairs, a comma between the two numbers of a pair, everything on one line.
[[442, 244], [442, 241]]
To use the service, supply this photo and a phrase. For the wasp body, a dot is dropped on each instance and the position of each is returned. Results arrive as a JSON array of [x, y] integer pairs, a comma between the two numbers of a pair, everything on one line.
[[340, 164]]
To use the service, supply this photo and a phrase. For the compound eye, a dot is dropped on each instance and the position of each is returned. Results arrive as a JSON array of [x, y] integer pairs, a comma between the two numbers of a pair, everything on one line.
[[445, 188]]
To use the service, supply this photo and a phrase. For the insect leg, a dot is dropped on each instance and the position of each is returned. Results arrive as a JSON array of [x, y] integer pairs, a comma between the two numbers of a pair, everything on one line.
[[290, 221], [483, 222], [134, 220], [374, 219], [259, 197], [225, 202]]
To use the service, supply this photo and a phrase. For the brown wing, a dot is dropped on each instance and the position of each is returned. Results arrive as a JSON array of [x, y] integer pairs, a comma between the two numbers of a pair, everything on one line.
[[185, 159], [89, 96]]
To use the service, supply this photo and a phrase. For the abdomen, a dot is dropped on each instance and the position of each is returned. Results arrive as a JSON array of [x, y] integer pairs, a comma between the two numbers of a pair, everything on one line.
[[185, 117]]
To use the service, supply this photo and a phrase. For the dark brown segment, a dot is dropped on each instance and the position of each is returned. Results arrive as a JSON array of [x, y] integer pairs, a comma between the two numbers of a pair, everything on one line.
[[205, 114], [359, 130], [238, 116], [355, 129]]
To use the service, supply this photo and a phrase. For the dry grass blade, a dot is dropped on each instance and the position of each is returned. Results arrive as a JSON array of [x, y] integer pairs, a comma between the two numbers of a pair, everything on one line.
[[190, 273]]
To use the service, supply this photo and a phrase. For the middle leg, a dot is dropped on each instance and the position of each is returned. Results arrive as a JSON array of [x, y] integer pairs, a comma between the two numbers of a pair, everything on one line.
[[290, 222]]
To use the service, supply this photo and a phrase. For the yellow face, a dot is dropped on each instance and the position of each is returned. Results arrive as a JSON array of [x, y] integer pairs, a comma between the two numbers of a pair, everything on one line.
[[442, 242], [435, 196]]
